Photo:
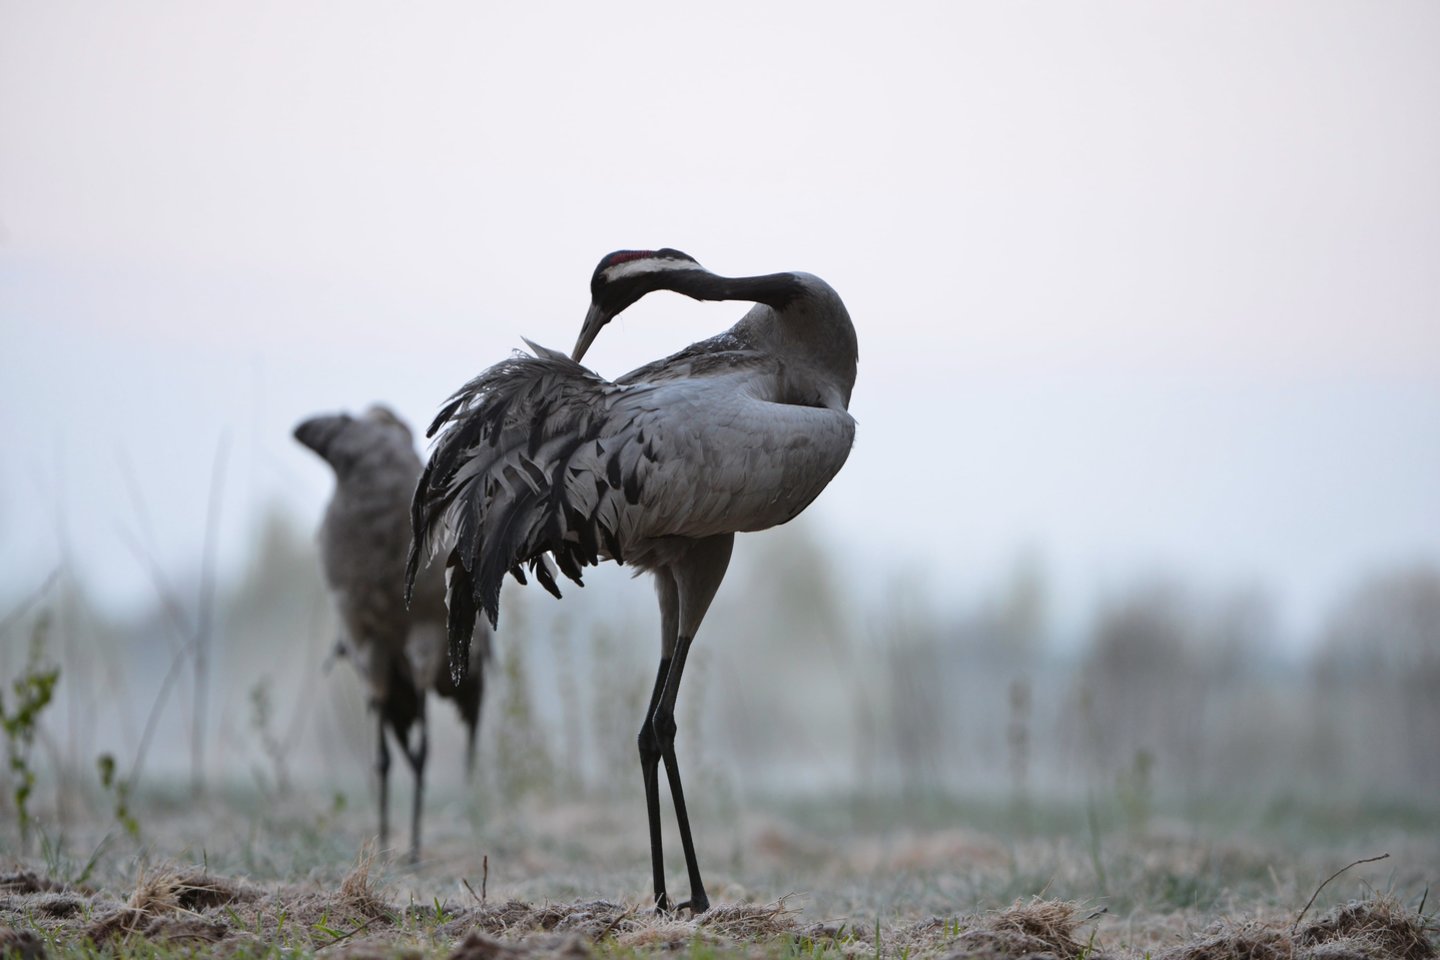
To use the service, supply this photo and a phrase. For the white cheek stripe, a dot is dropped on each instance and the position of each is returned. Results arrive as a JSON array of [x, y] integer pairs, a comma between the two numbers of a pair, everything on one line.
[[632, 268]]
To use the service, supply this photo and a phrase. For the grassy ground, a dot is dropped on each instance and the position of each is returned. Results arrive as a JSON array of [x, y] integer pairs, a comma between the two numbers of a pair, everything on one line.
[[240, 875]]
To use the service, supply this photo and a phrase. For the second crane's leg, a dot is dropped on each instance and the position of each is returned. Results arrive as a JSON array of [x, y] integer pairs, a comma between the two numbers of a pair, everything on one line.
[[416, 756], [382, 772], [470, 732], [472, 715]]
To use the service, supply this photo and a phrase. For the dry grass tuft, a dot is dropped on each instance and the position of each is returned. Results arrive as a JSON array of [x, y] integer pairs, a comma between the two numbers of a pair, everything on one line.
[[156, 892], [1381, 921], [241, 943], [20, 944], [589, 917], [665, 934], [1039, 928], [749, 921], [1226, 940], [491, 918], [26, 881], [160, 895], [510, 915], [592, 919], [198, 891], [358, 891], [1346, 948], [491, 931], [480, 946], [374, 948], [117, 923], [1380, 928], [57, 905], [186, 930], [168, 890]]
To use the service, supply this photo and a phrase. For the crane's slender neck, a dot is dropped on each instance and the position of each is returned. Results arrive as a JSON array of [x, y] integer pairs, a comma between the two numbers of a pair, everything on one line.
[[775, 290]]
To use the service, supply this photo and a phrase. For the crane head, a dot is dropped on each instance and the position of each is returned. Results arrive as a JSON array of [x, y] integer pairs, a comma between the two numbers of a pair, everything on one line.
[[343, 440], [623, 277]]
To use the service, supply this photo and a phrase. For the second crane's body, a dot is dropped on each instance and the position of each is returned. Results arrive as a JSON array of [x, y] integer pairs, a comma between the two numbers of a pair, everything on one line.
[[399, 650], [544, 464]]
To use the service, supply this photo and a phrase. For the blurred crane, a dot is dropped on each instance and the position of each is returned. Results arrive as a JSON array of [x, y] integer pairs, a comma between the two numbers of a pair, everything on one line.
[[400, 652], [542, 460]]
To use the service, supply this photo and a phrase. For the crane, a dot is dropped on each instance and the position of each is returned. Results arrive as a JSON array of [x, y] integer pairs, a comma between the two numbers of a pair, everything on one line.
[[544, 465], [401, 653]]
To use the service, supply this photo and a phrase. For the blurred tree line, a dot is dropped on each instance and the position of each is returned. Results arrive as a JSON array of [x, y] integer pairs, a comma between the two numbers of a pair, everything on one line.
[[794, 687]]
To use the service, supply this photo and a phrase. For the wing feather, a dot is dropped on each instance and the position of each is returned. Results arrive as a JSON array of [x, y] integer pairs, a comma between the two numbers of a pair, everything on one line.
[[538, 460]]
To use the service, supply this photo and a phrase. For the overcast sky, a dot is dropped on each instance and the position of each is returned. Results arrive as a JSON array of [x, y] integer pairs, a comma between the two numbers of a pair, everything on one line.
[[1139, 287]]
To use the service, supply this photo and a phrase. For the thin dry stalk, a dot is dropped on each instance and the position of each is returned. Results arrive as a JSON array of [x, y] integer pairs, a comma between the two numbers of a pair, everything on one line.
[[1322, 886], [25, 605], [145, 554], [152, 721], [205, 617]]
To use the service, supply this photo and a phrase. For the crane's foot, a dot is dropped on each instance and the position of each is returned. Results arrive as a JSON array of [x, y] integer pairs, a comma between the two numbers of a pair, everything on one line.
[[664, 907], [696, 905]]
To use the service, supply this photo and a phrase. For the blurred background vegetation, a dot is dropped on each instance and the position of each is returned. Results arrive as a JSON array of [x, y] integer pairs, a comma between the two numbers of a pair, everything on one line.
[[1169, 700]]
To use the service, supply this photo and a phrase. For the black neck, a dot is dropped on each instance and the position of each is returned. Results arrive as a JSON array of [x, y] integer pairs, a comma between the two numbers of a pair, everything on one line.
[[774, 290]]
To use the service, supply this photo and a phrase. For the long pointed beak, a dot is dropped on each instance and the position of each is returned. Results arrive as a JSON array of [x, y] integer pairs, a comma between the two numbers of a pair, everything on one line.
[[594, 320]]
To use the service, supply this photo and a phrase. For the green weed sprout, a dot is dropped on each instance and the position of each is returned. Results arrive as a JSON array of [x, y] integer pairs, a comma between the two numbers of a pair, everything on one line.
[[33, 691]]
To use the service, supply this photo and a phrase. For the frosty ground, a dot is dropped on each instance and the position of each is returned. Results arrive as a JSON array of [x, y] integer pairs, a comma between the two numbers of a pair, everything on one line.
[[239, 874]]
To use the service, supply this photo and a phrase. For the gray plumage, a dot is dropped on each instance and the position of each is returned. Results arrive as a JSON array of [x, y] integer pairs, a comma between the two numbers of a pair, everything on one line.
[[544, 466], [400, 652]]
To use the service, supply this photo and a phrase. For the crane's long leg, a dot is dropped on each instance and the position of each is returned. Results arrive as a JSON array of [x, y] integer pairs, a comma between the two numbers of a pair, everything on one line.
[[650, 768], [664, 725], [685, 592], [382, 770], [669, 596]]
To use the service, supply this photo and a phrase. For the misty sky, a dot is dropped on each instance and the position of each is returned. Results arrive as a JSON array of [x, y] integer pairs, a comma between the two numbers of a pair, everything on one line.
[[1139, 287]]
